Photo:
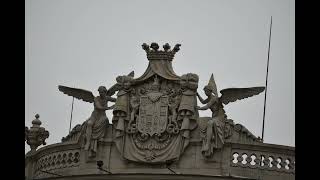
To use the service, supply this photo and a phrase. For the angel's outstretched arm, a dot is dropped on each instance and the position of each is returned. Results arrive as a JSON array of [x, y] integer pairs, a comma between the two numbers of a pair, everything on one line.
[[203, 101], [111, 99], [111, 107], [207, 106]]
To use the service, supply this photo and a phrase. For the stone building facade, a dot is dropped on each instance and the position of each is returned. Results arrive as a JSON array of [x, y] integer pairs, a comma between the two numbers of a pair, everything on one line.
[[157, 133]]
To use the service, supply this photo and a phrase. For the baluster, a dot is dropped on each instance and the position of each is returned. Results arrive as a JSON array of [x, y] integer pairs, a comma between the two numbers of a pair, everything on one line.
[[248, 159], [274, 163], [240, 159]]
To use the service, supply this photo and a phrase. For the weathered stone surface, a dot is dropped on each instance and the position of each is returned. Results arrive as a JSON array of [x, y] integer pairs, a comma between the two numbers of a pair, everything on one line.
[[191, 162], [156, 133]]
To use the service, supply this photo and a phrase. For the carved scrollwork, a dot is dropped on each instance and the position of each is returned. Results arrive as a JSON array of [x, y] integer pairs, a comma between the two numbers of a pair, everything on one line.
[[173, 128], [141, 137], [154, 144]]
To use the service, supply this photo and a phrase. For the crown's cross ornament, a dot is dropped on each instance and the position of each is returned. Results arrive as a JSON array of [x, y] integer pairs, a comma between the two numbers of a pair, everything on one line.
[[36, 135]]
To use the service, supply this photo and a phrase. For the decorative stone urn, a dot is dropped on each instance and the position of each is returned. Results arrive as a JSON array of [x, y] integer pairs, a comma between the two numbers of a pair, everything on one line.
[[36, 135]]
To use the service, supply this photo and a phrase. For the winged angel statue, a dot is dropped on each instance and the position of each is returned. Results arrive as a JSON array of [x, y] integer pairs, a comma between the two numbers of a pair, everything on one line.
[[213, 129], [95, 125]]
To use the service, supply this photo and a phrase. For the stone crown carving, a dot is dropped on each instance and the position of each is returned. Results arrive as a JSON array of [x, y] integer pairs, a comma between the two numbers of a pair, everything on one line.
[[155, 54]]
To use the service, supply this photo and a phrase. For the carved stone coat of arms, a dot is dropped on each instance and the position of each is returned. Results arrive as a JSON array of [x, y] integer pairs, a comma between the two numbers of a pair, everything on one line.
[[153, 114], [149, 125]]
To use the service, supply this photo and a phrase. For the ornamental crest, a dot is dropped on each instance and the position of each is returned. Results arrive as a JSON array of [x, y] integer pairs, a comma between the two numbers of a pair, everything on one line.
[[151, 120], [153, 114]]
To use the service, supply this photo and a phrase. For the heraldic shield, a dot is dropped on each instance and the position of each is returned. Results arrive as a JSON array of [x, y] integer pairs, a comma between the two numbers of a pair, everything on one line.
[[148, 106], [153, 115]]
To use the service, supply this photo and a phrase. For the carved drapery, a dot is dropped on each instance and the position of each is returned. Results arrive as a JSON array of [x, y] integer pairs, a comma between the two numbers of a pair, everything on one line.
[[153, 133]]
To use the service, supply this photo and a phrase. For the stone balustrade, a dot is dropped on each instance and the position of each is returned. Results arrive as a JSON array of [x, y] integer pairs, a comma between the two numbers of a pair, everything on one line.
[[239, 160], [263, 160], [269, 159]]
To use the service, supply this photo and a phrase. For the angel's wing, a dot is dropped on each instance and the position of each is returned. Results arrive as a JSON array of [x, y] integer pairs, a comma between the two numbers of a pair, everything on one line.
[[77, 93], [233, 94]]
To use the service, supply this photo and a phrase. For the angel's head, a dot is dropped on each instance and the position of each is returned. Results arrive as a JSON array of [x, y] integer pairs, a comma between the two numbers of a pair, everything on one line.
[[102, 90], [208, 90], [124, 81], [211, 88], [189, 81]]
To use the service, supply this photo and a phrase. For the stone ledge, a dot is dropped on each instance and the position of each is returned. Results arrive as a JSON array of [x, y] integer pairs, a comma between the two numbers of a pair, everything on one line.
[[138, 176]]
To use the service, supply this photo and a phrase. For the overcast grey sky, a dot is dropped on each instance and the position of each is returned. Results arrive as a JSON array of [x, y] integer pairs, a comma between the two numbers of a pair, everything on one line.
[[87, 43]]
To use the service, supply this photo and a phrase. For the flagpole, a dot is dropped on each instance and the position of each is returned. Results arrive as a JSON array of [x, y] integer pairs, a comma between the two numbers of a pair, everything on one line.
[[265, 94], [71, 114]]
